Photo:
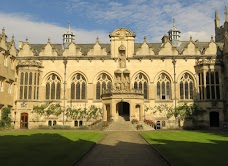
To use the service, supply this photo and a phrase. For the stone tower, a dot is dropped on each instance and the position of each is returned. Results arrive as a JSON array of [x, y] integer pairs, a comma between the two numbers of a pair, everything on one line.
[[174, 35], [68, 37], [220, 30]]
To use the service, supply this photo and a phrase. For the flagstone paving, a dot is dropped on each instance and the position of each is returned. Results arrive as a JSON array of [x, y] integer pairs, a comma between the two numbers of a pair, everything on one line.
[[122, 148]]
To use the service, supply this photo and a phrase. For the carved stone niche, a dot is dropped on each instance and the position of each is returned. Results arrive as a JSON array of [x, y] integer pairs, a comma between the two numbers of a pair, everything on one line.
[[122, 80], [117, 81], [122, 56], [126, 79]]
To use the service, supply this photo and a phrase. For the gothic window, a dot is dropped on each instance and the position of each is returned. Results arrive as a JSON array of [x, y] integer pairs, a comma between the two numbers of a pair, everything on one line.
[[103, 82], [163, 87], [201, 85], [28, 85], [210, 88], [212, 85], [186, 87], [141, 83], [34, 90], [78, 87], [53, 87]]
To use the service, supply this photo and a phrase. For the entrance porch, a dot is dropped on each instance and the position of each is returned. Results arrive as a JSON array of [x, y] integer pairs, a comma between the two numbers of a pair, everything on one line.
[[127, 104]]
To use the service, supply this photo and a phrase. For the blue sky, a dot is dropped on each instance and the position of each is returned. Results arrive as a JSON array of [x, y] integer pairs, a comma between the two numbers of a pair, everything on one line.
[[40, 19]]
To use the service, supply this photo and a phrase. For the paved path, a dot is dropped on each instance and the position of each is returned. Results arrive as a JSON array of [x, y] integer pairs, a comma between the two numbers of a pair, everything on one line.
[[122, 148]]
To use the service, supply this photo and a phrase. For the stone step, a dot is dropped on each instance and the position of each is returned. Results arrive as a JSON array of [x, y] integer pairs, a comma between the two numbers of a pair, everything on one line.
[[121, 125]]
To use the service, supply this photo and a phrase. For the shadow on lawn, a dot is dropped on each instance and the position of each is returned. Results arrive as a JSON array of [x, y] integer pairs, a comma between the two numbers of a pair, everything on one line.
[[218, 132], [56, 150], [41, 150], [183, 153]]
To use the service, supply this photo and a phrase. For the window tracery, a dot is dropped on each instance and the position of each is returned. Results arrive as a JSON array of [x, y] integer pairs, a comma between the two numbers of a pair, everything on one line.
[[53, 87], [103, 82], [163, 87], [78, 87], [142, 84], [186, 87]]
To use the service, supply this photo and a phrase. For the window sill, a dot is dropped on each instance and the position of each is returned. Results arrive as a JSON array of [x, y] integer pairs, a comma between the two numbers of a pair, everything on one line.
[[77, 101], [187, 100], [163, 101]]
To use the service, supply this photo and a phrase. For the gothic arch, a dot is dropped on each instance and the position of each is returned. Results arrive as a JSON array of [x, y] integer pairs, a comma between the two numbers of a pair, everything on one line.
[[44, 79], [78, 87], [103, 81], [163, 86], [158, 74], [187, 85], [99, 73], [53, 87], [188, 72], [141, 81], [136, 73], [71, 76]]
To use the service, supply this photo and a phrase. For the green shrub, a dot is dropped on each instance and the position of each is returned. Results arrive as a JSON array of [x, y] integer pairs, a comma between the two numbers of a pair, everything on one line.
[[6, 120], [60, 127], [139, 127]]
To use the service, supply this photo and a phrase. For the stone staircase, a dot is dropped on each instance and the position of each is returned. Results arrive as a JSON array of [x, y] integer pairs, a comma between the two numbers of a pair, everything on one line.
[[146, 127], [121, 125]]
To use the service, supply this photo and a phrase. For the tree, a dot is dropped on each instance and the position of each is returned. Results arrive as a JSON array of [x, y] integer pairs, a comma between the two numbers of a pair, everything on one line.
[[6, 119], [48, 109]]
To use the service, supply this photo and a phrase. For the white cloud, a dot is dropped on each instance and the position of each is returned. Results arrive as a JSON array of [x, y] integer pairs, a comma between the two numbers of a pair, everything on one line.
[[38, 32], [154, 18], [151, 18]]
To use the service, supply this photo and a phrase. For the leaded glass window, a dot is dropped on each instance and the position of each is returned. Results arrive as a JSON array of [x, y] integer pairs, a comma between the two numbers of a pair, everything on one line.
[[186, 87], [78, 87], [141, 83], [53, 87], [163, 87], [103, 82]]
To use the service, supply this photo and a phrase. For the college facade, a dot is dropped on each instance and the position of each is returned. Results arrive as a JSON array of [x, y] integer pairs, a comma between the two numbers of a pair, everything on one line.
[[121, 78]]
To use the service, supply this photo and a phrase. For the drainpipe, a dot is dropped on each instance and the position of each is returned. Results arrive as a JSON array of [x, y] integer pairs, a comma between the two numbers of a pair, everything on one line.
[[64, 90], [175, 86]]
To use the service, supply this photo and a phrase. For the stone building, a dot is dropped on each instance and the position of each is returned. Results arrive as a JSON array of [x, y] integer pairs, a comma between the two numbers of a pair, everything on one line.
[[122, 77]]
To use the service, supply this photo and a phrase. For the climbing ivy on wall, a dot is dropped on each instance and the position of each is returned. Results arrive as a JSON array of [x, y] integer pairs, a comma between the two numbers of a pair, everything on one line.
[[5, 117], [92, 112]]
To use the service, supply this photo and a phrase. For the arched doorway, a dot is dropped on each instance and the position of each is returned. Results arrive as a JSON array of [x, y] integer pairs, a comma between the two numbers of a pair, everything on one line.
[[24, 121], [123, 109], [214, 119]]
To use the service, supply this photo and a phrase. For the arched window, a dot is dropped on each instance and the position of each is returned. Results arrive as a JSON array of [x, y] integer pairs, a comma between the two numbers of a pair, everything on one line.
[[163, 87], [103, 82], [186, 87], [141, 83], [78, 87], [53, 87]]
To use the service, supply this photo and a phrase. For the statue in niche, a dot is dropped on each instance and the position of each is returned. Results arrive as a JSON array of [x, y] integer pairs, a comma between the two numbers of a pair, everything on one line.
[[122, 59], [126, 82], [118, 83]]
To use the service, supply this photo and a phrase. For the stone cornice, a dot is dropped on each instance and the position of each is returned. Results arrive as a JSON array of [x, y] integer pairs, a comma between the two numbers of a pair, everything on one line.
[[30, 63], [140, 57]]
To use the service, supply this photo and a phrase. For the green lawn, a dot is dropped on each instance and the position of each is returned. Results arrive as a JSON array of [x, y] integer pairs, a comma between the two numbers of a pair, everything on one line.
[[188, 148], [41, 148]]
